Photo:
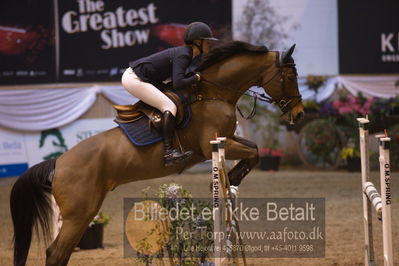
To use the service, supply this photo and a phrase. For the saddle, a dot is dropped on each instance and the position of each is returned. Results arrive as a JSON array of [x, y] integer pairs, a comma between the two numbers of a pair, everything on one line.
[[131, 113]]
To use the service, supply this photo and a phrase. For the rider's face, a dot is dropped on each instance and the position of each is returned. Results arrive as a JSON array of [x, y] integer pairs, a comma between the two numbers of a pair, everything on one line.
[[205, 46]]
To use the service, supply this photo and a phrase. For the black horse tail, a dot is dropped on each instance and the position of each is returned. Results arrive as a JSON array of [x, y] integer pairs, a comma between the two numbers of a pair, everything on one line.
[[30, 205]]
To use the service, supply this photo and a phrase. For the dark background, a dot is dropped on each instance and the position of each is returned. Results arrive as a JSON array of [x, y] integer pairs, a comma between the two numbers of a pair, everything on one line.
[[30, 50], [361, 23]]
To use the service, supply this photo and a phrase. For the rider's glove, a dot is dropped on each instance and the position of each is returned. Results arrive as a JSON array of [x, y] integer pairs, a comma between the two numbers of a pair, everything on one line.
[[198, 76]]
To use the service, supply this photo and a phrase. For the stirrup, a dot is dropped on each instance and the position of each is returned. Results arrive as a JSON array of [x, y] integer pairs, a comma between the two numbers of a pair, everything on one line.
[[176, 157]]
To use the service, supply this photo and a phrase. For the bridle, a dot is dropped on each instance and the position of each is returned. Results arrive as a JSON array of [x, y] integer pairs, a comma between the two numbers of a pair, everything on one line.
[[285, 103]]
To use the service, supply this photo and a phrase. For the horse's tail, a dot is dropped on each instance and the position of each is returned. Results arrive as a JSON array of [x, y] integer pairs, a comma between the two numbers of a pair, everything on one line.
[[30, 205]]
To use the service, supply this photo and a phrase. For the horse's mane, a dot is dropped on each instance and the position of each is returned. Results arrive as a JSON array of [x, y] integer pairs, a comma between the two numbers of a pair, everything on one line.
[[228, 49]]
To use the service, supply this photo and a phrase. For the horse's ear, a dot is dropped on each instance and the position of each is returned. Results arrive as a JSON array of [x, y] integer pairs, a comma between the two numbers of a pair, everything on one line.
[[288, 54]]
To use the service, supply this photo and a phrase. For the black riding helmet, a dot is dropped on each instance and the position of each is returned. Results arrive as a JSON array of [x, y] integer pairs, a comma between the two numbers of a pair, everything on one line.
[[197, 31]]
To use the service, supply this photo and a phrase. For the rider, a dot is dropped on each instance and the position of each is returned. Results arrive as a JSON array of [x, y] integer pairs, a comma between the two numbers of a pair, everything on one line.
[[143, 79]]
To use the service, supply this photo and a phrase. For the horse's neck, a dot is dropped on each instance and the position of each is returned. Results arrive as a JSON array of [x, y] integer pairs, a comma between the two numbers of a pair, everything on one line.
[[235, 76]]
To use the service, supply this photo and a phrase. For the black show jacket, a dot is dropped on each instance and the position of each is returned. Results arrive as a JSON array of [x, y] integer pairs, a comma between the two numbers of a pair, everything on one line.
[[170, 63]]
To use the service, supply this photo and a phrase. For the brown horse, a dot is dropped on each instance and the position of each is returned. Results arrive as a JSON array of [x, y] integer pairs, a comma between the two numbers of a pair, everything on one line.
[[81, 178]]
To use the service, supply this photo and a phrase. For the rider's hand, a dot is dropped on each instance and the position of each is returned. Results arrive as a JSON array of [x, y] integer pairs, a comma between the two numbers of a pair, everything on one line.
[[198, 76]]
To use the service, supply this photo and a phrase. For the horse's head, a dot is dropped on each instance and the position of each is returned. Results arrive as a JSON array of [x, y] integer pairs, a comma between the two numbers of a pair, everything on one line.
[[282, 86], [235, 66]]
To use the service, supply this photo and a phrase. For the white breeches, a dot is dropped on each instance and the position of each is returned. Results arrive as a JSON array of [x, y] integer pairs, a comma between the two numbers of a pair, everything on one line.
[[147, 92]]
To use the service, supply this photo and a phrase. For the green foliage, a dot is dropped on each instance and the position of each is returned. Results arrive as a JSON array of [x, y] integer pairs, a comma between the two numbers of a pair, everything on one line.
[[322, 142], [341, 115], [349, 152], [100, 218], [393, 133], [180, 249], [315, 82], [310, 104]]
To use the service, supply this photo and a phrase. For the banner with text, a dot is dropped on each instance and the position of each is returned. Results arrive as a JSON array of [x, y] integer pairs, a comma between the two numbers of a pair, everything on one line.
[[99, 38], [13, 158], [94, 40], [368, 36], [54, 142], [18, 150]]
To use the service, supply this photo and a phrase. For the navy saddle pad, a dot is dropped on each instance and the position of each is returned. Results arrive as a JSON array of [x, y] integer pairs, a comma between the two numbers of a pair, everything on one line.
[[141, 134]]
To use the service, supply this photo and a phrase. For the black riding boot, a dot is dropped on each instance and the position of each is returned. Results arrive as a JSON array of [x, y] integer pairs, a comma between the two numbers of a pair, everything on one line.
[[171, 154]]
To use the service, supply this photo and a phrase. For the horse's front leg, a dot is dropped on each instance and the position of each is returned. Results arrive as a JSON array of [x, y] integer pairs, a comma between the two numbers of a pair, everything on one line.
[[246, 151]]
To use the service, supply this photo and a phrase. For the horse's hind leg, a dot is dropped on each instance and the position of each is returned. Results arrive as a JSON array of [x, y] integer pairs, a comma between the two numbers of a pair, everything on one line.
[[78, 205], [61, 249], [73, 227]]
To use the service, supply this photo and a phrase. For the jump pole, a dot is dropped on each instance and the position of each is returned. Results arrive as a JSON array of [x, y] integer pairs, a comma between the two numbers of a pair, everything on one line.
[[385, 179], [229, 203], [222, 156], [367, 215], [233, 189], [223, 199], [228, 223], [216, 190], [381, 203]]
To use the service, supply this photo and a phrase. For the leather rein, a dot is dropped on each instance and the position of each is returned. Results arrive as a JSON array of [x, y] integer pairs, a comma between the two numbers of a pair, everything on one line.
[[285, 103]]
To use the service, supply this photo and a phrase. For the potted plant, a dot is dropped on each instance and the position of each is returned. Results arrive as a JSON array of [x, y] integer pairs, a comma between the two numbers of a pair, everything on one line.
[[269, 159], [352, 158], [170, 197], [315, 82], [93, 236], [320, 143]]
